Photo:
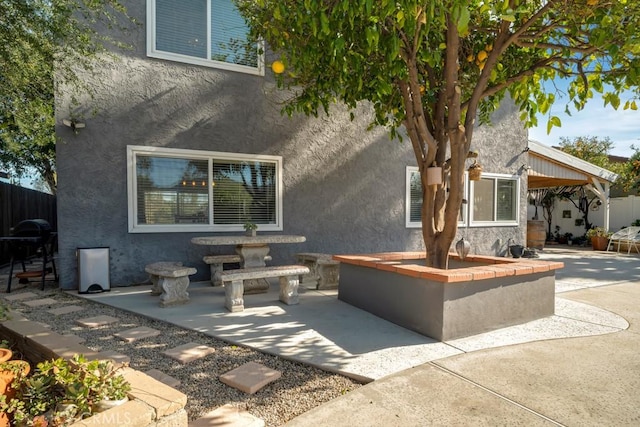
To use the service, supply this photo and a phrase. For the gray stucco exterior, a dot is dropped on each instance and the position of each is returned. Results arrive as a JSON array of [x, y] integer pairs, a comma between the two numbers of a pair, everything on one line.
[[344, 186]]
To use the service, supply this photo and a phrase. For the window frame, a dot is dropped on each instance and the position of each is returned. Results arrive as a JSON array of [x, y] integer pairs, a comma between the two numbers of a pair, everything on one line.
[[495, 223], [171, 56], [418, 224], [132, 206]]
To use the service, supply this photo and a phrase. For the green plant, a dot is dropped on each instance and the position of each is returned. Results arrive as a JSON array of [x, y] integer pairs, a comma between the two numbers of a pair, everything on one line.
[[597, 232], [636, 223], [61, 391], [250, 226], [4, 312]]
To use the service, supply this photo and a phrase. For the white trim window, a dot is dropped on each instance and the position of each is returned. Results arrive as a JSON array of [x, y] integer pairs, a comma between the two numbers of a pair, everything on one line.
[[413, 200], [211, 33], [175, 190], [495, 200]]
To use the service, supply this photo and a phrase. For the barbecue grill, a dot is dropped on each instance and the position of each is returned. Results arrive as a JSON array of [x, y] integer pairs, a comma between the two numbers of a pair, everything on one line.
[[27, 238]]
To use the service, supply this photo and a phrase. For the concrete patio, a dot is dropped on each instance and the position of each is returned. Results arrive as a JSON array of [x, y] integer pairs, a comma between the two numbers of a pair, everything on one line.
[[328, 333]]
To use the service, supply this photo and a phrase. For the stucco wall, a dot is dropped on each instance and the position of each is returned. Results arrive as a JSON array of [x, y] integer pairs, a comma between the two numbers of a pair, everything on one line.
[[344, 186]]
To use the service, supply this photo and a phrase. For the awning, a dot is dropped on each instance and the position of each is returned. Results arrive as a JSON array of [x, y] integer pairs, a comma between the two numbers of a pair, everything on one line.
[[550, 167]]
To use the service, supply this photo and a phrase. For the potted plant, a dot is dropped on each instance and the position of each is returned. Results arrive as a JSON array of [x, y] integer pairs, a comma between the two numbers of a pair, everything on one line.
[[61, 391], [250, 227], [599, 238], [12, 373]]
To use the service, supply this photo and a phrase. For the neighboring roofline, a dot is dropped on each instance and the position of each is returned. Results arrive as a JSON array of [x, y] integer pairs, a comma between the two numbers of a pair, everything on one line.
[[571, 161]]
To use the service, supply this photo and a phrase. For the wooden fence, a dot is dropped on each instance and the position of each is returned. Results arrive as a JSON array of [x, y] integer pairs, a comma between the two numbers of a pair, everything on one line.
[[18, 204]]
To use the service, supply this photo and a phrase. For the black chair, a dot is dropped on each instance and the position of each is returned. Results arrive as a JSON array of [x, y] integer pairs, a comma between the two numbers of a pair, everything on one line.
[[26, 239]]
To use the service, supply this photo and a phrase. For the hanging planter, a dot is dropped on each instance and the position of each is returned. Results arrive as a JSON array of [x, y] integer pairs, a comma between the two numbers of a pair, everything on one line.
[[475, 171], [434, 175]]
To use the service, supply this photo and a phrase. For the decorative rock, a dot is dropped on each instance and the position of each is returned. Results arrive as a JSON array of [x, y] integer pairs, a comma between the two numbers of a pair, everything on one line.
[[65, 310]]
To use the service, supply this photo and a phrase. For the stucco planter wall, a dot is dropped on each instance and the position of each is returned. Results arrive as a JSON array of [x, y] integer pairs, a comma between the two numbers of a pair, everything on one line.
[[482, 294]]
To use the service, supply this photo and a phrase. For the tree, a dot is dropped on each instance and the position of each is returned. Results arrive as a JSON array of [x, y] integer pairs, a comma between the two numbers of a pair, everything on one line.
[[595, 151], [590, 149], [441, 67], [631, 171], [36, 38]]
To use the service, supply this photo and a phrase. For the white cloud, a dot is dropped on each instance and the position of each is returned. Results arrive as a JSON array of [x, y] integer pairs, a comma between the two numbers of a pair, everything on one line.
[[621, 126]]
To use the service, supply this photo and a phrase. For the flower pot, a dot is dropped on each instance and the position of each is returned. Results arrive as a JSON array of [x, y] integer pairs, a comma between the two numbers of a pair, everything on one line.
[[475, 171], [5, 354], [516, 251], [8, 371], [599, 243]]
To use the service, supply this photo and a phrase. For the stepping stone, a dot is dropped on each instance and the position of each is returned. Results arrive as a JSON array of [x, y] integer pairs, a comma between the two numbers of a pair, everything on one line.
[[114, 356], [163, 378], [21, 296], [40, 302], [188, 352], [250, 377], [134, 334], [94, 322], [228, 416], [65, 310]]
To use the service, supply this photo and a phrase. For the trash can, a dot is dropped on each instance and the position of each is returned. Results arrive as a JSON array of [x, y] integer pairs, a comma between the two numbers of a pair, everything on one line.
[[93, 270]]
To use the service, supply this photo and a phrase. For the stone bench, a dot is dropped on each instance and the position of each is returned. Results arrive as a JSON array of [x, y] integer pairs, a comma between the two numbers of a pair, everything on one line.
[[324, 271], [216, 265], [171, 280], [234, 288]]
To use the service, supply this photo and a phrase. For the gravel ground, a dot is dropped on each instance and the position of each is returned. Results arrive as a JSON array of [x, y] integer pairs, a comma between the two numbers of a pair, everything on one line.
[[300, 388]]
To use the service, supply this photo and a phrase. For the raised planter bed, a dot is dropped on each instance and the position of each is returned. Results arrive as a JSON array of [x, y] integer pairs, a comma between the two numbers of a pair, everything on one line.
[[479, 294]]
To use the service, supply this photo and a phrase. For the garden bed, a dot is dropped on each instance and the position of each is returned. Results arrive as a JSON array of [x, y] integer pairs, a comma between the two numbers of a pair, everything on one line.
[[479, 294], [151, 403]]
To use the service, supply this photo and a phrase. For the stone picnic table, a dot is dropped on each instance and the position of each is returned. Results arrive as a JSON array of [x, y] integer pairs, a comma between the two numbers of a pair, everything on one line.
[[252, 251]]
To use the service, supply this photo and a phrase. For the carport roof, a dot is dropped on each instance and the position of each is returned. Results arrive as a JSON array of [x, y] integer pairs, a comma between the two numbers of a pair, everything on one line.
[[550, 167]]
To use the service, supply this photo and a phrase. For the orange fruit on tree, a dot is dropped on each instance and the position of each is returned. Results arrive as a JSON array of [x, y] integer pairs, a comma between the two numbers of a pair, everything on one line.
[[277, 67]]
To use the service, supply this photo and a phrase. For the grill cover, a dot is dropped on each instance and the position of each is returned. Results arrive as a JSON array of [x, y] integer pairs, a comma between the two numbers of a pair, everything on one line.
[[32, 228]]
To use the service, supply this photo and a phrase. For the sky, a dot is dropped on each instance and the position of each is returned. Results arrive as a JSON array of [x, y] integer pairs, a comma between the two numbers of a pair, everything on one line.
[[621, 126]]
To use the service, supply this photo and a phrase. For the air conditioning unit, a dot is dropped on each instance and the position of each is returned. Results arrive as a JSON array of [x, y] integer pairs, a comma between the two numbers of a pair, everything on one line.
[[93, 270]]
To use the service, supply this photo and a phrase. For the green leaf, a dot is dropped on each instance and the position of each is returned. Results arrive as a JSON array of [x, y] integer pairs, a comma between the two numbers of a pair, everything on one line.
[[553, 121], [463, 21]]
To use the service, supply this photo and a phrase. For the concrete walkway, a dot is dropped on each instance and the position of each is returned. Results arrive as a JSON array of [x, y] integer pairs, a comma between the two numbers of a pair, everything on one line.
[[590, 381]]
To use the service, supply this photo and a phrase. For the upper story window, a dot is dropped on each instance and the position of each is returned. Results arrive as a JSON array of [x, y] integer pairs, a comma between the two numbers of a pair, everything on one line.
[[171, 190], [202, 32]]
